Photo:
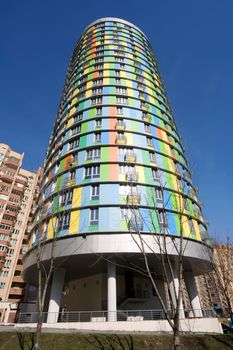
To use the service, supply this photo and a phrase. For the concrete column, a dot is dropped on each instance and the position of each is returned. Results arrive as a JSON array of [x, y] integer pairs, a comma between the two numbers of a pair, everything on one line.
[[193, 294], [174, 288], [112, 296], [55, 295]]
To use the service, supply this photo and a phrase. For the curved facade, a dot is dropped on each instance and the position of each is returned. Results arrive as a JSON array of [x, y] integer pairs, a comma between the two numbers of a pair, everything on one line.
[[115, 162]]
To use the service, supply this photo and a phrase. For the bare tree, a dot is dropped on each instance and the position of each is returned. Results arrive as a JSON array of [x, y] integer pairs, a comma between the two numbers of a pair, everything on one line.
[[168, 264], [223, 271]]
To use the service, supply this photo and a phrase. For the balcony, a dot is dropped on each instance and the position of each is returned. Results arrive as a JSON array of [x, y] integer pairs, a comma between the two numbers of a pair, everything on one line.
[[12, 162], [145, 106], [6, 178], [121, 140], [133, 199], [16, 291], [147, 118], [70, 182], [131, 176], [4, 242], [135, 224], [120, 126], [2, 254], [131, 158], [73, 163], [18, 279]]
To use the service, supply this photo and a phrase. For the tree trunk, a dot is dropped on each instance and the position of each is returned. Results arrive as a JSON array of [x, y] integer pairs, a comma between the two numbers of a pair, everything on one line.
[[37, 340], [176, 331]]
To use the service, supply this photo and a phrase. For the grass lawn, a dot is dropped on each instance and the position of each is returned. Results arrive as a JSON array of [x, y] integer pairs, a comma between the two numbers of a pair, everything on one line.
[[77, 341]]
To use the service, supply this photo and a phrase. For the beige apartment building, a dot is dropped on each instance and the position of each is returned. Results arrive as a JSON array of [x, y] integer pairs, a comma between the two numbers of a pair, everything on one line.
[[17, 190]]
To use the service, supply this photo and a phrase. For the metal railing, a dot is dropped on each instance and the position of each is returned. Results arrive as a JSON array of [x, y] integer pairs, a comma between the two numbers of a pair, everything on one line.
[[104, 316]]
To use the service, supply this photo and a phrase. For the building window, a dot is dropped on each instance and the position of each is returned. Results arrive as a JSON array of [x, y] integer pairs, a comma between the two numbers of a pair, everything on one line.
[[120, 110], [93, 153], [121, 99], [97, 137], [158, 194], [76, 130], [95, 189], [78, 117], [152, 157], [66, 197], [97, 82], [2, 285], [149, 141], [96, 100], [94, 216], [98, 123], [118, 80], [117, 73], [147, 128], [63, 221], [155, 174], [162, 218], [97, 91], [74, 144], [99, 111], [121, 90], [92, 171]]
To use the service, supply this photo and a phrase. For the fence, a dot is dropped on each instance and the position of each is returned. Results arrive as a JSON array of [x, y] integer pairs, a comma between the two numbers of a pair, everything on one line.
[[103, 316]]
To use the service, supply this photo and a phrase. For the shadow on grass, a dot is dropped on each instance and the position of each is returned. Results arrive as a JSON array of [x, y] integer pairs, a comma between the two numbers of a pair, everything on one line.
[[26, 341], [110, 342]]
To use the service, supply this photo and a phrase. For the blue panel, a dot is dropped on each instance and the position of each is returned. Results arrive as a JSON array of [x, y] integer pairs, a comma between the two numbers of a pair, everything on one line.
[[109, 219]]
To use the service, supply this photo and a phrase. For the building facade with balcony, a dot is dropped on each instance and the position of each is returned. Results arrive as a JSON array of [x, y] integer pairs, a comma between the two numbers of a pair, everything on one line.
[[17, 188], [115, 166]]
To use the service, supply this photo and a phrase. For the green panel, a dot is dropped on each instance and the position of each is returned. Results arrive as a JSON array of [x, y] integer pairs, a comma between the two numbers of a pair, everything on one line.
[[104, 174], [105, 153], [135, 125], [62, 165], [145, 157], [123, 225], [93, 228], [55, 204], [91, 113], [112, 99], [154, 221], [59, 183], [84, 127], [83, 141]]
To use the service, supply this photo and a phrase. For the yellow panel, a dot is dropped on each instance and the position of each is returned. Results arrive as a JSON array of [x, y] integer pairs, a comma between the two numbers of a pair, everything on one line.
[[88, 93], [129, 138], [51, 228], [72, 111], [74, 101], [70, 122], [106, 65], [130, 93], [77, 197], [123, 74], [185, 225], [122, 177], [75, 92], [140, 171], [74, 221], [197, 230], [89, 84]]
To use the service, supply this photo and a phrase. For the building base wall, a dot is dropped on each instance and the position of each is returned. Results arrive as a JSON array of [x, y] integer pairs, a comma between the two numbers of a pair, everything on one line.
[[200, 325]]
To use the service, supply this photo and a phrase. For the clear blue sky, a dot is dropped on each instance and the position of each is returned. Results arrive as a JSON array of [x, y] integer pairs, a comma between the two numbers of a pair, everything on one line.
[[193, 42]]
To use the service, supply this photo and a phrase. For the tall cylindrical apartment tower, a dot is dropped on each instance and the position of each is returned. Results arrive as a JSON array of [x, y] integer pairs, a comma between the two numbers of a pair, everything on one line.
[[115, 167]]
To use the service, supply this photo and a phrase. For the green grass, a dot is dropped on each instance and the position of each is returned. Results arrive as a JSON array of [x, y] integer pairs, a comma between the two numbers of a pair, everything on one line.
[[77, 341]]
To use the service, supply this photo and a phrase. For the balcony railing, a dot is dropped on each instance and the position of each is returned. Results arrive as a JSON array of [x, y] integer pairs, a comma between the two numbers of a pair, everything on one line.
[[130, 158], [121, 140], [103, 316], [131, 177], [133, 199]]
